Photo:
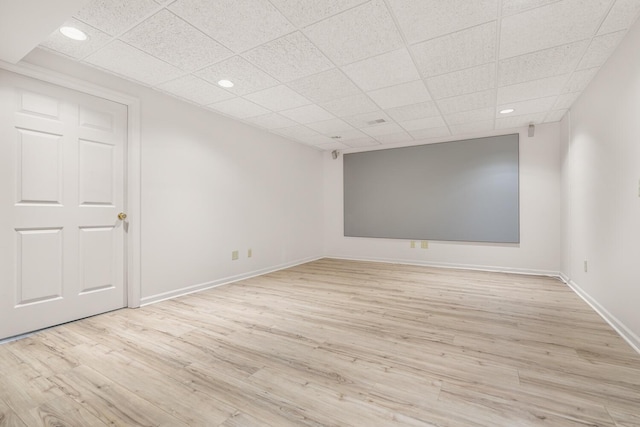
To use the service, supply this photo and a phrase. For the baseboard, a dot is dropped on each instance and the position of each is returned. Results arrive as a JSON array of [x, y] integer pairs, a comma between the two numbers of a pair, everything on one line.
[[496, 269], [224, 281], [627, 334]]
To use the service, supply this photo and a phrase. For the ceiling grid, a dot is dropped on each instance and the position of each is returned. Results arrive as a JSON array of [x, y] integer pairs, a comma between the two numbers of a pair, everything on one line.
[[338, 74]]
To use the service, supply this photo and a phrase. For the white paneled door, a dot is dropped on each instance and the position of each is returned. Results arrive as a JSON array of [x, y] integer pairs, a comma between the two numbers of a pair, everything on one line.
[[62, 186]]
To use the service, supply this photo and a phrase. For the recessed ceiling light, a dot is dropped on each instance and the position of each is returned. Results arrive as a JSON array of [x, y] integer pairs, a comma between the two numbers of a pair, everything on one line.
[[507, 111], [73, 33], [225, 83]]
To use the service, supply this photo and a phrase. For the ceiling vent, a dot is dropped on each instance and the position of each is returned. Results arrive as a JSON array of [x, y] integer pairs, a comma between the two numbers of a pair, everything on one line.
[[375, 122]]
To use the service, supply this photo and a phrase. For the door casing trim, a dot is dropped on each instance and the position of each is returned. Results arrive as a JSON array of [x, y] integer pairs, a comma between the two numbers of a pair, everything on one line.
[[133, 248]]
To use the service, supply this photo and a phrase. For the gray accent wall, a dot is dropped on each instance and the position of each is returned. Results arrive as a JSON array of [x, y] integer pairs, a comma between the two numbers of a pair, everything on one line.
[[452, 191]]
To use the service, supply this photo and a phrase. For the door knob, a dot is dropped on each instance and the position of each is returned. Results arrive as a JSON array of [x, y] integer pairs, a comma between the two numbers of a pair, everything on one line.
[[122, 216]]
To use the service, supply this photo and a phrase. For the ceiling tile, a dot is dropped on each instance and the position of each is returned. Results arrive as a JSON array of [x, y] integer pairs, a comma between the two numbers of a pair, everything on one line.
[[471, 80], [331, 146], [470, 101], [483, 114], [349, 135], [350, 105], [272, 121], [394, 138], [120, 58], [413, 111], [278, 98], [621, 16], [77, 50], [600, 49], [463, 49], [115, 16], [289, 58], [427, 123], [579, 80], [475, 127], [532, 89], [551, 25], [362, 142], [305, 12], [426, 19], [332, 126], [325, 86], [384, 70], [382, 129], [546, 63], [528, 107], [247, 78], [555, 116], [237, 24], [519, 121], [298, 131], [509, 7], [565, 101], [169, 38], [364, 120], [195, 90], [239, 108], [399, 95], [430, 133], [316, 139], [308, 114], [356, 34]]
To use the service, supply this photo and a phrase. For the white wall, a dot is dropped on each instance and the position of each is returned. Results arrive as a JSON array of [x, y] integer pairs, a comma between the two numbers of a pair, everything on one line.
[[539, 248], [211, 185], [601, 172]]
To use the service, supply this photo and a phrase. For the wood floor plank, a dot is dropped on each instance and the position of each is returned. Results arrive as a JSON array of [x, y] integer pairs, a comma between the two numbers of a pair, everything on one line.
[[8, 418], [334, 343]]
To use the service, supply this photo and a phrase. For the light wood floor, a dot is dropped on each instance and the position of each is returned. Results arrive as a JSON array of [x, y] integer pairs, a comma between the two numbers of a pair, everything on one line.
[[333, 343]]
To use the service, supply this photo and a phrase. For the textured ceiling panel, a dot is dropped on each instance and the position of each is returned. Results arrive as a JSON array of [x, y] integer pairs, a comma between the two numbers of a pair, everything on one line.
[[325, 86], [246, 76], [196, 90], [470, 80], [384, 70], [239, 108], [171, 39], [399, 95], [305, 12], [278, 98], [367, 71], [236, 24], [356, 34], [307, 114], [471, 101], [622, 15], [413, 111], [289, 58], [544, 27], [464, 49], [120, 58], [427, 19], [115, 16], [532, 89], [77, 50]]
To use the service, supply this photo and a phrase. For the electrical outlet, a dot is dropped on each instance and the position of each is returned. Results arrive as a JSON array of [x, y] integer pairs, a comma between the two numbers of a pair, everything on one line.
[[424, 244], [412, 245], [585, 266], [234, 255], [249, 253]]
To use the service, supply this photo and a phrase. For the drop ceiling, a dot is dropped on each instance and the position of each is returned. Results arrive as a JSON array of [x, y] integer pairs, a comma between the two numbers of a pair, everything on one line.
[[336, 74]]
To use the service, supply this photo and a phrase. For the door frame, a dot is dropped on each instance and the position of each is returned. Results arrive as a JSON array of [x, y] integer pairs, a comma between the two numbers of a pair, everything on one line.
[[132, 262]]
